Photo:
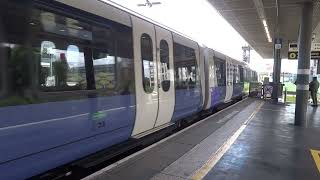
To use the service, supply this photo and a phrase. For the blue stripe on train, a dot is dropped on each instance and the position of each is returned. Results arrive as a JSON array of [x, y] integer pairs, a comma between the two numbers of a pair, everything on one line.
[[237, 89], [70, 129], [218, 95], [187, 102]]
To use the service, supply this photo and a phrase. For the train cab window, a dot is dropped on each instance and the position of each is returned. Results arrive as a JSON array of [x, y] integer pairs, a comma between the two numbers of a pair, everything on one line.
[[148, 75], [185, 67], [164, 66], [220, 67]]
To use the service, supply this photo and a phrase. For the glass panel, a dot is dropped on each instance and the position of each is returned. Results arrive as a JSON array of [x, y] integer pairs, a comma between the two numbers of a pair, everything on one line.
[[148, 77], [61, 69], [220, 72], [45, 52], [185, 67], [236, 77], [164, 65], [230, 74], [241, 74], [104, 70]]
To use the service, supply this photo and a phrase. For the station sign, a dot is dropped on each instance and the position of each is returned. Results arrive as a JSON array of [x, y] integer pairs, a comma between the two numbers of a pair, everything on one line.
[[293, 51]]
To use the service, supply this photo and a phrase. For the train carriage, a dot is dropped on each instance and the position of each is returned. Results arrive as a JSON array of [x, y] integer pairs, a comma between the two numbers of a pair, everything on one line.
[[77, 77]]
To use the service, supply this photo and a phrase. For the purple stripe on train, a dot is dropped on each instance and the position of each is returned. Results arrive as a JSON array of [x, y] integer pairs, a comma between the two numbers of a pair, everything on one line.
[[68, 129], [218, 95], [187, 102], [237, 90]]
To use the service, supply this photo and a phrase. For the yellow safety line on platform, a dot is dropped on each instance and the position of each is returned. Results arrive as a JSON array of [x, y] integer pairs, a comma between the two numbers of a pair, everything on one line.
[[215, 157], [316, 156]]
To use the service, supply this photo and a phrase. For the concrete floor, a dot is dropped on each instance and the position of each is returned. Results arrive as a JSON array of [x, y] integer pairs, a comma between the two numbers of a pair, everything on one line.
[[272, 148]]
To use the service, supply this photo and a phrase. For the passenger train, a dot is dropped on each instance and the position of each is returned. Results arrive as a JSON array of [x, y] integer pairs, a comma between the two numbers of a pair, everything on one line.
[[78, 77]]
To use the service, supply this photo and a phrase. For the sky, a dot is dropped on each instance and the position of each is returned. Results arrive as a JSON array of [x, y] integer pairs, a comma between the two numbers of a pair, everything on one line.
[[200, 21]]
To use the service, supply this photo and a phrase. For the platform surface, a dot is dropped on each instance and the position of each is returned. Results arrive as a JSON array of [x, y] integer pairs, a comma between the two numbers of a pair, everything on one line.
[[272, 148], [268, 146]]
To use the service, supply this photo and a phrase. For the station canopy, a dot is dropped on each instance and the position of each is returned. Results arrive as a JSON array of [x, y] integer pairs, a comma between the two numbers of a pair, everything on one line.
[[258, 21]]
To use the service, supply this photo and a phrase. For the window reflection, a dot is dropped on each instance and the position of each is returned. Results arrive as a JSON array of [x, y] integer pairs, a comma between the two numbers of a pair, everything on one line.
[[164, 66], [147, 63], [47, 56], [104, 70], [185, 67], [62, 69], [236, 77], [241, 73], [220, 72]]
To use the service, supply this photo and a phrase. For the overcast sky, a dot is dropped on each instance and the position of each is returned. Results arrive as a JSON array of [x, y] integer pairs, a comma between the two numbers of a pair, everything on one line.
[[200, 21]]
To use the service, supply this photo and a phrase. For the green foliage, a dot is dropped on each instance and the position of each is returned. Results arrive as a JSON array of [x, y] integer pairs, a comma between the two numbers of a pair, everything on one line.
[[291, 87]]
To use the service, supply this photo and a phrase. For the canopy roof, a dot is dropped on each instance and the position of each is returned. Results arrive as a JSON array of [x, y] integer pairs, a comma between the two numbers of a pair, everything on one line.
[[280, 16]]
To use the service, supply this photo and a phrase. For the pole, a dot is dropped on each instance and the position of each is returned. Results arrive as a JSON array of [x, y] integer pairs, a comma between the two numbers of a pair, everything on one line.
[[276, 75], [303, 64]]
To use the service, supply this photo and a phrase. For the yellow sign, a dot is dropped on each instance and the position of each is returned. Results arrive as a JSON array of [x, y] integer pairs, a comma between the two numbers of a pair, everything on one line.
[[292, 55], [316, 156]]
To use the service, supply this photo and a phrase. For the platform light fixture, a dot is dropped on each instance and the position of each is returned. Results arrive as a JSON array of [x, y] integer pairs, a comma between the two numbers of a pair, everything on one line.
[[266, 29]]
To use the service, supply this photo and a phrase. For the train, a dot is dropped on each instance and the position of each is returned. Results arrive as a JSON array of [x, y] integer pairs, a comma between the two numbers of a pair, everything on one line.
[[78, 77]]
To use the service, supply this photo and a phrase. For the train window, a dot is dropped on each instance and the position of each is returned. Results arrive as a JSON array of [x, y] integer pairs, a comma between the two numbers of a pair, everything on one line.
[[164, 66], [104, 70], [234, 71], [104, 60], [220, 68], [236, 74], [185, 67], [255, 76], [148, 77], [249, 75], [61, 69], [230, 74], [46, 52], [124, 62], [241, 74]]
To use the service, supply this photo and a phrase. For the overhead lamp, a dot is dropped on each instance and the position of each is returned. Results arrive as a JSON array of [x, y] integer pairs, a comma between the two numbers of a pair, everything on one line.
[[264, 22]]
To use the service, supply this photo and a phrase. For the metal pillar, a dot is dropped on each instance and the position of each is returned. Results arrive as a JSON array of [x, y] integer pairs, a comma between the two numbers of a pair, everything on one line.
[[304, 46], [276, 74]]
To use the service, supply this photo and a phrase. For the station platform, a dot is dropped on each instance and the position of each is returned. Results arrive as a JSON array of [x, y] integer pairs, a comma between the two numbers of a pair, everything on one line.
[[252, 139]]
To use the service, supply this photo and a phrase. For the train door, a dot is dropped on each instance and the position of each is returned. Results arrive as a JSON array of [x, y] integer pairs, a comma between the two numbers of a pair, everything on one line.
[[229, 85], [145, 63], [165, 76]]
